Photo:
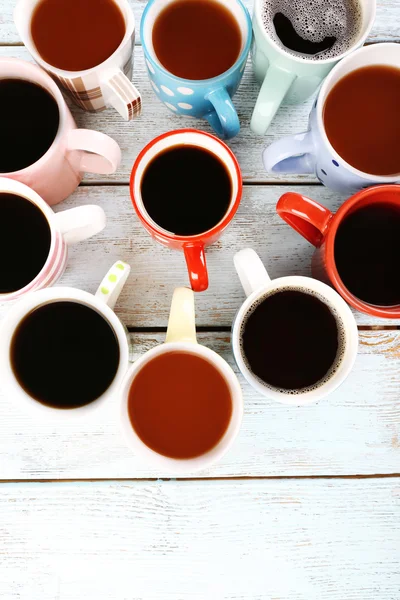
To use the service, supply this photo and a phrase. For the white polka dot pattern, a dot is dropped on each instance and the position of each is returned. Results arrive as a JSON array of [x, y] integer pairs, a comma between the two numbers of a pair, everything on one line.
[[185, 105], [171, 106], [185, 91], [149, 66], [167, 90], [155, 87]]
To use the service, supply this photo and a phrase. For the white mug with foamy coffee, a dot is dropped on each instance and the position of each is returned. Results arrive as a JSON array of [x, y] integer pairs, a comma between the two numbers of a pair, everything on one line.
[[296, 46]]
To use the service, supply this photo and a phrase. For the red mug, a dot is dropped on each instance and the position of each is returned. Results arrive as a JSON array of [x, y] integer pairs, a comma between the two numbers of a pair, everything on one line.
[[319, 226], [193, 246]]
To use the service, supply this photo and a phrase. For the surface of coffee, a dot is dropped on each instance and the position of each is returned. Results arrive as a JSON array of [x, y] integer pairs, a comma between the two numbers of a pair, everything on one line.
[[318, 30], [196, 39], [180, 405], [25, 240], [367, 253], [75, 35], [361, 119], [291, 340], [64, 354], [186, 190], [29, 120]]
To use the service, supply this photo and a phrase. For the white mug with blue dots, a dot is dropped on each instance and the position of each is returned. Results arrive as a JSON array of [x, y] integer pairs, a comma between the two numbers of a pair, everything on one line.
[[311, 152], [209, 99]]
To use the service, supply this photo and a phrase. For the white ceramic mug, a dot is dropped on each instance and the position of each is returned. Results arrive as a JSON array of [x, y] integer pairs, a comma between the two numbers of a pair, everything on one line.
[[73, 152], [67, 227], [103, 302], [106, 84], [312, 152], [181, 337], [288, 78], [258, 285]]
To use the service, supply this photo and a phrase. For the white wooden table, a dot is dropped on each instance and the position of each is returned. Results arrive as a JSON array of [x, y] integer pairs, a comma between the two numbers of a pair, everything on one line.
[[306, 506]]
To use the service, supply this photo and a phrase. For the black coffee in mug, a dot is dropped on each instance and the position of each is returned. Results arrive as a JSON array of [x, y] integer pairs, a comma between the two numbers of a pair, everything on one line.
[[292, 340], [25, 240], [186, 190], [29, 120], [65, 354], [318, 30]]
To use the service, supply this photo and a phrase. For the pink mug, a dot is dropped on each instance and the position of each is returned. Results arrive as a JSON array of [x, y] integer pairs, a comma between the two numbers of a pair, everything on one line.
[[73, 152]]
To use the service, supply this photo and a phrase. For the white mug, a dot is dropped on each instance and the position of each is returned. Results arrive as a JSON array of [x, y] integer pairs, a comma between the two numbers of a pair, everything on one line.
[[106, 84], [290, 79], [181, 337], [258, 285], [103, 302], [67, 227], [312, 152]]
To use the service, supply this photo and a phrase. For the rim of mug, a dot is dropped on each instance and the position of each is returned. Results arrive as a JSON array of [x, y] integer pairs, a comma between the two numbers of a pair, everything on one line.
[[197, 82], [351, 343], [334, 224], [20, 189], [61, 104], [320, 105], [129, 18], [184, 465], [145, 217], [307, 61], [14, 318]]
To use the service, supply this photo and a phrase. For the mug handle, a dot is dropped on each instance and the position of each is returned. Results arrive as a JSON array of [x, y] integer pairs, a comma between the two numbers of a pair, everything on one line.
[[275, 86], [120, 92], [291, 154], [197, 267], [182, 320], [100, 153], [111, 286], [78, 224], [252, 273], [308, 217], [223, 119]]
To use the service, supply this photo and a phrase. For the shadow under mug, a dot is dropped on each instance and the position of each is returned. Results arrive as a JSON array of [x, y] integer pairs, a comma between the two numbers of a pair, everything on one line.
[[192, 246], [210, 99], [66, 228], [103, 302], [181, 337], [74, 151], [319, 226], [106, 84], [257, 285]]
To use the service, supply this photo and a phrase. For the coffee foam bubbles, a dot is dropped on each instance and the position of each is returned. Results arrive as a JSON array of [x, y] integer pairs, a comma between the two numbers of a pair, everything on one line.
[[341, 340], [314, 20]]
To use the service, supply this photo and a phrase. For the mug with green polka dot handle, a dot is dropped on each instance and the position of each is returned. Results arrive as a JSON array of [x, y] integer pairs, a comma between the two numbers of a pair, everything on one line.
[[102, 302]]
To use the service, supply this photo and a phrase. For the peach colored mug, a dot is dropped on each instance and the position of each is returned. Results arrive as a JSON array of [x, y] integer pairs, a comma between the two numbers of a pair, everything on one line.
[[74, 151]]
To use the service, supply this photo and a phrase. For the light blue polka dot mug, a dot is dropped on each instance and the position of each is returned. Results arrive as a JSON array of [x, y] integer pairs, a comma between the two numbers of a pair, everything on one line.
[[210, 99], [312, 152]]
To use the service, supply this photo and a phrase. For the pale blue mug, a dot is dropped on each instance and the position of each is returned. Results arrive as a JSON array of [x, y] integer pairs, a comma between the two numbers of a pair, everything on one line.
[[209, 99]]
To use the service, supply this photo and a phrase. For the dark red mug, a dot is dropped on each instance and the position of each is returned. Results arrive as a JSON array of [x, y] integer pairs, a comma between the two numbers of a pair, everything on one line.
[[319, 226], [193, 246]]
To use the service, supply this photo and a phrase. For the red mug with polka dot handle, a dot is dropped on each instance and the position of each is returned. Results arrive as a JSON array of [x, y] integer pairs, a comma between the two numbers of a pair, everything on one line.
[[320, 227], [193, 246]]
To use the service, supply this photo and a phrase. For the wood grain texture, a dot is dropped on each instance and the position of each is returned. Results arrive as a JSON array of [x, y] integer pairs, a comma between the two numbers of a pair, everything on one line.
[[156, 270], [264, 540], [353, 431]]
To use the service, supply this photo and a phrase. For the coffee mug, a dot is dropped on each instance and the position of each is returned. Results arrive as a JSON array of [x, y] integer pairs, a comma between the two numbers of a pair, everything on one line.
[[181, 337], [257, 286], [102, 302], [210, 99], [67, 227], [319, 226], [192, 246], [288, 78], [311, 152], [74, 151], [107, 84]]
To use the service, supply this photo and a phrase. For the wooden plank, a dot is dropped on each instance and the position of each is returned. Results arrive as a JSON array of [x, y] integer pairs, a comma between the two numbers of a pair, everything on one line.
[[156, 270], [258, 540], [385, 26], [354, 431]]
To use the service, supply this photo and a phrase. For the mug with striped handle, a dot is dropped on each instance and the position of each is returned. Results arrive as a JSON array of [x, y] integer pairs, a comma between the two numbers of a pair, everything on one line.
[[94, 89]]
